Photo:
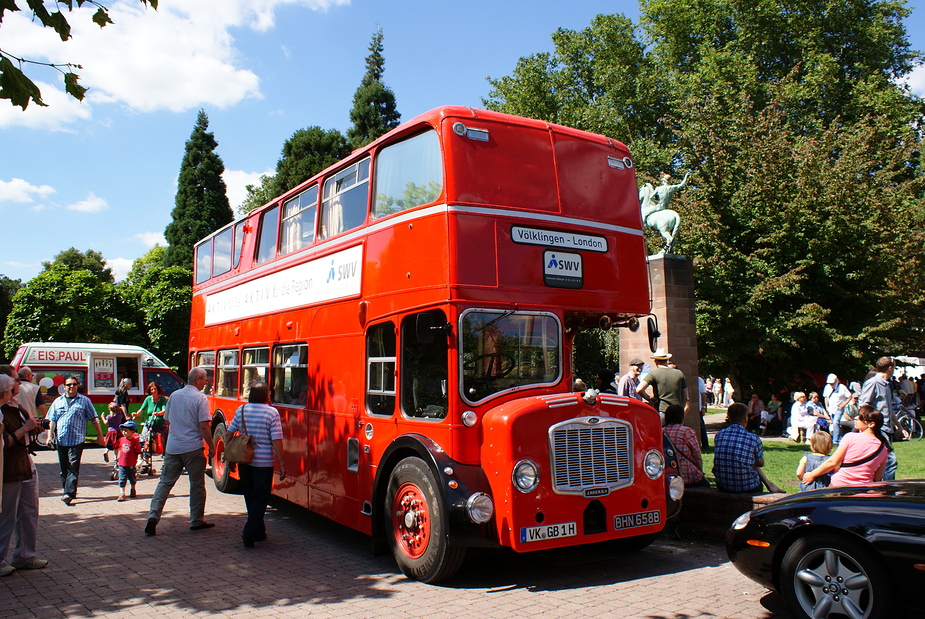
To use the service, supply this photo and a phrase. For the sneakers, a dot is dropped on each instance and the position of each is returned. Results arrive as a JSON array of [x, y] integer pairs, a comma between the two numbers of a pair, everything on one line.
[[66, 499], [32, 563], [202, 525], [151, 528], [6, 570], [133, 494], [121, 497]]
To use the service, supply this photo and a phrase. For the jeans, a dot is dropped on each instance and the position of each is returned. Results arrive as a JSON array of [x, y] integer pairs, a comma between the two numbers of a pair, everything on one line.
[[195, 464], [19, 519], [69, 461], [126, 474], [256, 485]]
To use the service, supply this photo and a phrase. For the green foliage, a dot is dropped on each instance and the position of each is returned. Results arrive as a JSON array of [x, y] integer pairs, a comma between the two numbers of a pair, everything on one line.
[[374, 112], [201, 203], [599, 79], [76, 260], [306, 153], [61, 304], [14, 84], [595, 349], [258, 195], [8, 289], [163, 297], [805, 211]]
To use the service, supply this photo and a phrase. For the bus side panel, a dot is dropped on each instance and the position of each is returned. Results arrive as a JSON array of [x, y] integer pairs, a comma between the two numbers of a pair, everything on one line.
[[333, 412], [403, 262]]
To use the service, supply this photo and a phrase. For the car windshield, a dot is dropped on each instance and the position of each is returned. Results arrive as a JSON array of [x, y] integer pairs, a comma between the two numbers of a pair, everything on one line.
[[505, 350]]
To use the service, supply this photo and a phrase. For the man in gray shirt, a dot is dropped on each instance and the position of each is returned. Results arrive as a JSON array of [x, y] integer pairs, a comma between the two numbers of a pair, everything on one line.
[[188, 415], [876, 392]]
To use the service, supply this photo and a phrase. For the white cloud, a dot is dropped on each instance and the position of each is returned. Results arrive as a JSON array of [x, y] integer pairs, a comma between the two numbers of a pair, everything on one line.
[[180, 57], [91, 204], [62, 109], [120, 267], [150, 239], [18, 190], [916, 80], [236, 182]]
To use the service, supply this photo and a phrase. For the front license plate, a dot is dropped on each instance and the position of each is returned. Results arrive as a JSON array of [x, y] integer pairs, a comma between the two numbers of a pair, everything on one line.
[[549, 531], [639, 519]]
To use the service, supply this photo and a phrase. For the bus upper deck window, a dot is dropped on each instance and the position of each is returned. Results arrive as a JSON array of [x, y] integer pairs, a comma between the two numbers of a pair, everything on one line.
[[238, 243], [299, 220], [221, 252], [269, 226], [345, 200], [408, 174], [204, 261]]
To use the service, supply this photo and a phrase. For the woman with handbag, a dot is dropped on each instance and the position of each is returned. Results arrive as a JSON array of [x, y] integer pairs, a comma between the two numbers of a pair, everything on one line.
[[20, 496], [261, 422]]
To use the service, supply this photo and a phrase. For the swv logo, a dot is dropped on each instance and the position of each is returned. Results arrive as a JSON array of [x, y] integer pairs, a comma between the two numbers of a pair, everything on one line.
[[562, 269]]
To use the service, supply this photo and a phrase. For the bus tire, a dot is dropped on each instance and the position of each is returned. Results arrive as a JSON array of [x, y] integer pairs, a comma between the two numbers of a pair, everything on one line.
[[221, 471], [417, 524]]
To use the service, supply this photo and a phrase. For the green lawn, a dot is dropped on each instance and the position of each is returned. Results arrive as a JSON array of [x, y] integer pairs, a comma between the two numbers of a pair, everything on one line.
[[781, 459]]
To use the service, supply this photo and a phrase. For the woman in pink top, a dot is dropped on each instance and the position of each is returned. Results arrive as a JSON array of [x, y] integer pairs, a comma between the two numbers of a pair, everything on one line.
[[860, 457]]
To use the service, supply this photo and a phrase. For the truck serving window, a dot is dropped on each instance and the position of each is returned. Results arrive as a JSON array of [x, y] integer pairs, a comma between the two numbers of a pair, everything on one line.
[[504, 350]]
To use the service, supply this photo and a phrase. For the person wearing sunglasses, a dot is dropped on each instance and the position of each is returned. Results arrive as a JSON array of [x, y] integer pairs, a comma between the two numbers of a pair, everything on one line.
[[69, 415]]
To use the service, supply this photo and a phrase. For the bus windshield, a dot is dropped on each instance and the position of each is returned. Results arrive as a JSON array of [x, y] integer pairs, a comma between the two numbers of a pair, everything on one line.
[[504, 349]]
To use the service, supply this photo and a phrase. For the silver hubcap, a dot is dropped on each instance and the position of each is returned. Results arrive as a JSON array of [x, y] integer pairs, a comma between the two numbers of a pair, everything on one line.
[[829, 582]]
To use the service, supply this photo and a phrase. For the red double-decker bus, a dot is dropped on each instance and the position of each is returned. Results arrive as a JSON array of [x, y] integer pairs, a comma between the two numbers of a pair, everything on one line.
[[413, 309]]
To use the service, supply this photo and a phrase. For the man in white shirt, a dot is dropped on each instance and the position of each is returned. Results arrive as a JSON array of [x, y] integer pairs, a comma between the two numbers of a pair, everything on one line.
[[188, 415]]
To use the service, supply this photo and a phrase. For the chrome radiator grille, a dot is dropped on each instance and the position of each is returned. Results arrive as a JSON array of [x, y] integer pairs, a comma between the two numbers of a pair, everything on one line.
[[591, 452]]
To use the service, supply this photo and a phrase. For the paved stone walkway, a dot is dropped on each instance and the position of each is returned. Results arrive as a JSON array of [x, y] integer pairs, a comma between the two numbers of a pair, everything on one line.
[[101, 564]]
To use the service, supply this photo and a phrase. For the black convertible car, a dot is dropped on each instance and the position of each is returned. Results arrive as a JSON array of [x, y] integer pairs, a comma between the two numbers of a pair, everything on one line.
[[854, 552]]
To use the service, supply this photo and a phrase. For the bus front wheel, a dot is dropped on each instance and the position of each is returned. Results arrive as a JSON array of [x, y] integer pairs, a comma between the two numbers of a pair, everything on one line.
[[417, 524], [221, 471]]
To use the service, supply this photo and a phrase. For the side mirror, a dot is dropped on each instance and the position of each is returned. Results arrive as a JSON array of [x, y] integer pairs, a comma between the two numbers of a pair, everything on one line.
[[652, 326]]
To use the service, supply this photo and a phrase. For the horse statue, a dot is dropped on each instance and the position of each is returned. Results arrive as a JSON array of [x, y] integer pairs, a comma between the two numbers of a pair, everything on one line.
[[655, 212]]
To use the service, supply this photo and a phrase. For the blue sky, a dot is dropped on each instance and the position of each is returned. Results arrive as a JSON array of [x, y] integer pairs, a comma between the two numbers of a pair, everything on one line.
[[102, 174]]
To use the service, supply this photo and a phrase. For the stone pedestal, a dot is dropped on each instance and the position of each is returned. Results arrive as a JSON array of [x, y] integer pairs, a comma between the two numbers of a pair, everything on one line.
[[672, 282]]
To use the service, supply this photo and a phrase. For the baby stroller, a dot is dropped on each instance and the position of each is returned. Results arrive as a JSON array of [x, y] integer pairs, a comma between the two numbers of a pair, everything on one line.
[[151, 444]]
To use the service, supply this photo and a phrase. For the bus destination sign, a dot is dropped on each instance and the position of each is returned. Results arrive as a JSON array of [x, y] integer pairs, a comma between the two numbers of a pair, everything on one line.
[[555, 238]]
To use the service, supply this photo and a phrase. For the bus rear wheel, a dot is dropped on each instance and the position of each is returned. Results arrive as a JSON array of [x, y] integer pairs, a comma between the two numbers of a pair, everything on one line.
[[221, 471], [417, 524]]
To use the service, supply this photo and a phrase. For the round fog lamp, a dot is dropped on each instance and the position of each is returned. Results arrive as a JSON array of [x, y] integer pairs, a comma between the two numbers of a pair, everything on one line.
[[654, 464], [526, 475], [676, 488], [480, 508]]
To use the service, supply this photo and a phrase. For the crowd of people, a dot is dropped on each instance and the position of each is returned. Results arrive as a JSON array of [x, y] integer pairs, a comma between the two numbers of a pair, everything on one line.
[[858, 421], [184, 419]]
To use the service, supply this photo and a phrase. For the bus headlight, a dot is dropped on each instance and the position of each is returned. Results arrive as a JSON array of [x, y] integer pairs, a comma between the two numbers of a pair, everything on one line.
[[526, 475], [480, 508], [654, 464]]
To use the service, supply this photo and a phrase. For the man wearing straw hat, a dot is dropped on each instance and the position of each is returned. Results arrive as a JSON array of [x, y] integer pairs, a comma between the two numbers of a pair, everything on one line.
[[668, 385]]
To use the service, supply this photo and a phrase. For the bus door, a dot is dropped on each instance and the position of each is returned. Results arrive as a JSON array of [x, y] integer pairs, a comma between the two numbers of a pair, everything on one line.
[[378, 418]]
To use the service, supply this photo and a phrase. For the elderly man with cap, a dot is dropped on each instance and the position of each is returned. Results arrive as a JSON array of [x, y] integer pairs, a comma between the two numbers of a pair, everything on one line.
[[669, 386], [630, 381], [835, 395]]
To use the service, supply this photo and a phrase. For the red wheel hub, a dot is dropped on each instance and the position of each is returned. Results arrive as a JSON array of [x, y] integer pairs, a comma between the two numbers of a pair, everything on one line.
[[411, 520]]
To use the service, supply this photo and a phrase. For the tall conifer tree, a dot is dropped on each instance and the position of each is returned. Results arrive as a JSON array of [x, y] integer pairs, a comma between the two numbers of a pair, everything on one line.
[[374, 112], [202, 203]]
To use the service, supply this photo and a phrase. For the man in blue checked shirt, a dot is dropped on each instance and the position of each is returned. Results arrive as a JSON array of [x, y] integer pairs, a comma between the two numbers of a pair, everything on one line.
[[738, 456], [69, 415]]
